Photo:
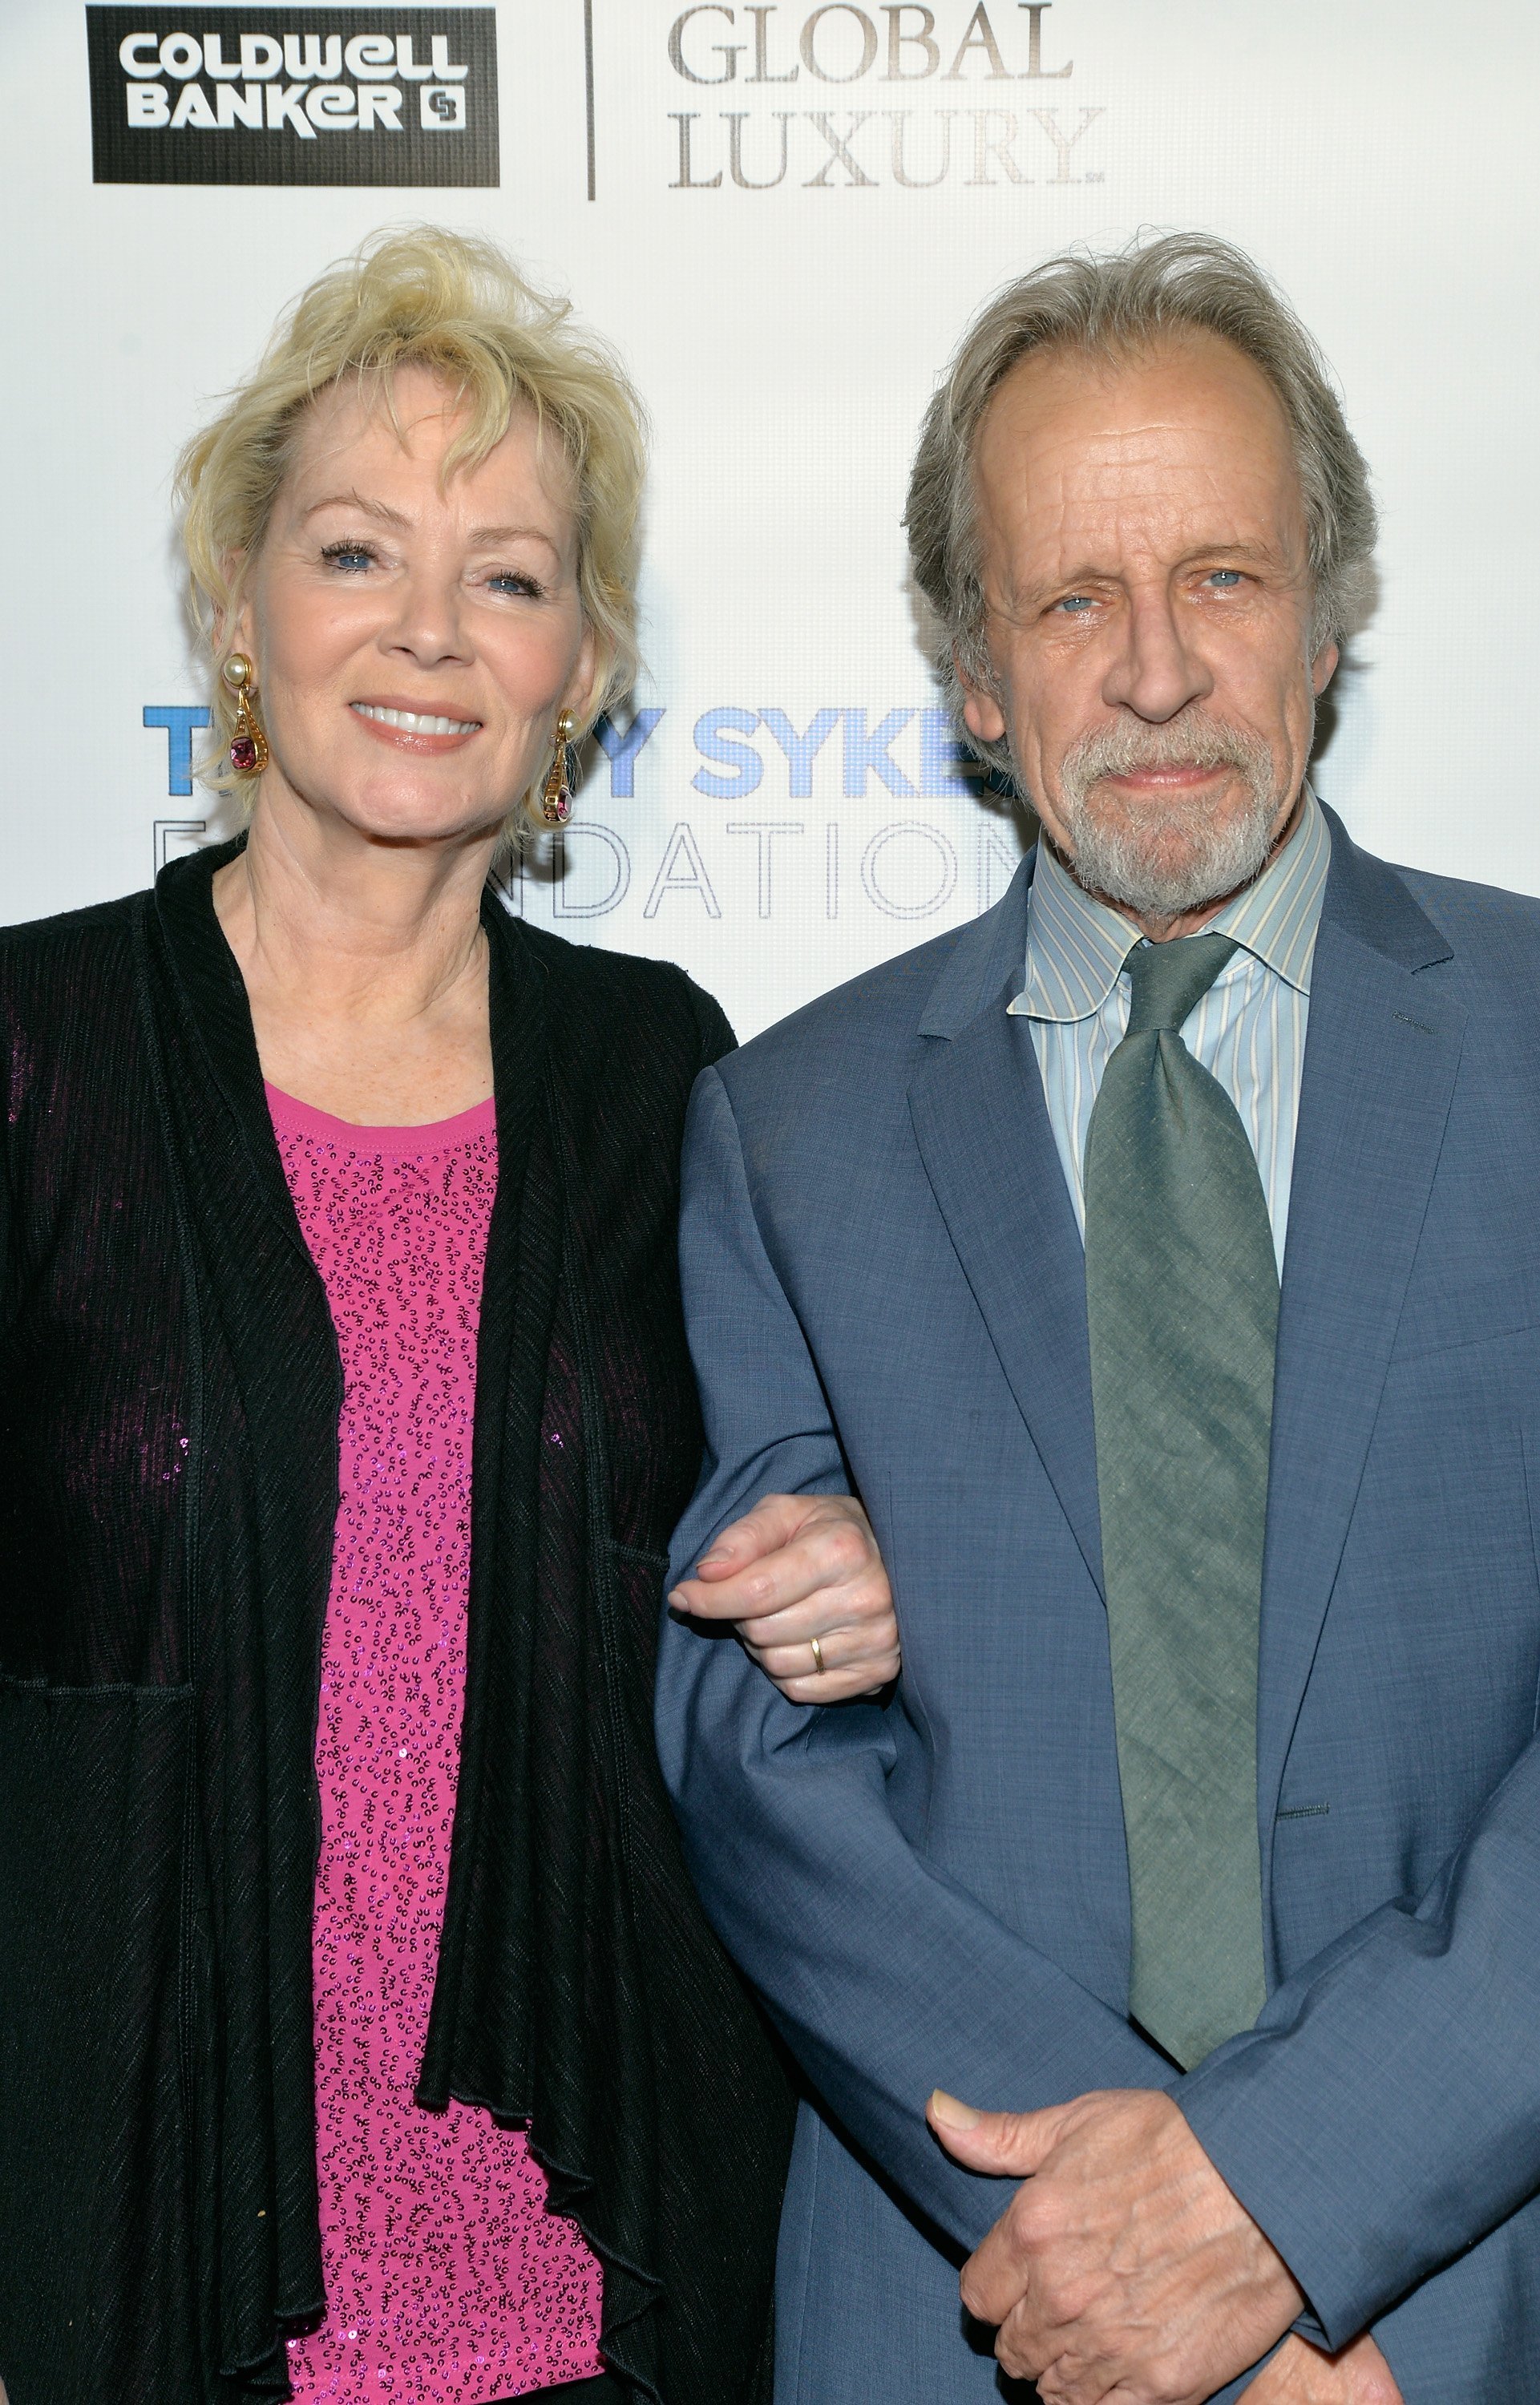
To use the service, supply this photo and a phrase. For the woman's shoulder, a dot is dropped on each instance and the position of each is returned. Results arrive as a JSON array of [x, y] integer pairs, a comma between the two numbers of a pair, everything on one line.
[[71, 1053], [651, 1009], [69, 958]]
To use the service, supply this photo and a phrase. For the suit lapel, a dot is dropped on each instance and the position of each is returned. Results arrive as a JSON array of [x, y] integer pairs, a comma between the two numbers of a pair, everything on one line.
[[983, 1129], [1380, 1061]]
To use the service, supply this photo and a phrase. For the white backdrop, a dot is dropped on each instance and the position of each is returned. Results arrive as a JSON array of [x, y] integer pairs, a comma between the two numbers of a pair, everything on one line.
[[781, 829]]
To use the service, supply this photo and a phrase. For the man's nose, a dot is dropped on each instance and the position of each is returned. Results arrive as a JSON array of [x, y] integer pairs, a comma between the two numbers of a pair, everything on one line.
[[1156, 671]]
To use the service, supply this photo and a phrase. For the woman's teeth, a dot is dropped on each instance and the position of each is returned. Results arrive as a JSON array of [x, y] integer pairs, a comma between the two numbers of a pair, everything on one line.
[[414, 721]]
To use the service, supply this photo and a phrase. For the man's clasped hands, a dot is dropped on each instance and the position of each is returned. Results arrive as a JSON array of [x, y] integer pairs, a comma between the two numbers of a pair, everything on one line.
[[1124, 2271]]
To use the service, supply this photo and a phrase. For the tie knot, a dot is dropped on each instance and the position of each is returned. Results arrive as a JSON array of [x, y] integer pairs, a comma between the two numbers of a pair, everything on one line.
[[1170, 979]]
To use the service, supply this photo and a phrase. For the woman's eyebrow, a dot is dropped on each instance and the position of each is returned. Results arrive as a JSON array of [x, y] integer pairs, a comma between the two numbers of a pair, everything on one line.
[[492, 534], [355, 500]]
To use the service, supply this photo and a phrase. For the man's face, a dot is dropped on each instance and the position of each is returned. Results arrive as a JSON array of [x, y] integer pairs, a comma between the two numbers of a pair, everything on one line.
[[1148, 598]]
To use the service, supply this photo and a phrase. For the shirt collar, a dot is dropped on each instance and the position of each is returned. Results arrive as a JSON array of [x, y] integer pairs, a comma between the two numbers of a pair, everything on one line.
[[1076, 945]]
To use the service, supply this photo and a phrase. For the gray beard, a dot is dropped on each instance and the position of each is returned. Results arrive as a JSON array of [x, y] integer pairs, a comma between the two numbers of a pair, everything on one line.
[[1167, 856]]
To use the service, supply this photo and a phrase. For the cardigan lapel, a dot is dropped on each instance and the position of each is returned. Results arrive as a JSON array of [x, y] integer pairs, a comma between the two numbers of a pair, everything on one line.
[[269, 1366], [1380, 1061], [218, 1016], [983, 1129], [469, 2050]]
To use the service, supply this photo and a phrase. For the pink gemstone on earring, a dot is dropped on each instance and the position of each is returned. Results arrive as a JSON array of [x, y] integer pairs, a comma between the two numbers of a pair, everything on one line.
[[243, 754], [563, 807]]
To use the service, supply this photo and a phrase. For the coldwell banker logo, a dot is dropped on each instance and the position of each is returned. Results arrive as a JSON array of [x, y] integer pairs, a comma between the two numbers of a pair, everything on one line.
[[294, 95]]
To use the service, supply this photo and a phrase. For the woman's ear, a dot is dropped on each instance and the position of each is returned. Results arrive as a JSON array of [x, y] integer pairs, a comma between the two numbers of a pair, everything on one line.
[[235, 630], [589, 672]]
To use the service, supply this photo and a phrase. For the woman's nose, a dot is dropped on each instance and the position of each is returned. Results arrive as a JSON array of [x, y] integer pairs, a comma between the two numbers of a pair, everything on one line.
[[430, 623]]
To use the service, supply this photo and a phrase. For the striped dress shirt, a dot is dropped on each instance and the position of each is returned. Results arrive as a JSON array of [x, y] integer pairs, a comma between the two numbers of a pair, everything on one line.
[[1247, 1031]]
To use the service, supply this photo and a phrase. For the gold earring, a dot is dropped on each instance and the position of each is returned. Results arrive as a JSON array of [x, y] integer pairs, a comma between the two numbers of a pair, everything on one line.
[[249, 745], [555, 802]]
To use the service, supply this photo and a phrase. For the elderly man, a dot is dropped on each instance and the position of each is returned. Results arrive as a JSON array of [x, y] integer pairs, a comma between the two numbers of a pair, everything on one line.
[[1159, 1256]]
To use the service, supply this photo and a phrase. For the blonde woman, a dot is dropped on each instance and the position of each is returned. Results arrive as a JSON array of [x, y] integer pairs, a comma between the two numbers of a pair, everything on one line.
[[359, 2034]]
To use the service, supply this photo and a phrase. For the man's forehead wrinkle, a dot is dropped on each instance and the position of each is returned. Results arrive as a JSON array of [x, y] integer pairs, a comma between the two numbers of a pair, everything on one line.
[[1102, 508], [1107, 531], [1172, 413], [1103, 467]]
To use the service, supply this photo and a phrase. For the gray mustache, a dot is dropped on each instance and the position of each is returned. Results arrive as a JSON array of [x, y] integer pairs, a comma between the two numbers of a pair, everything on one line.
[[1113, 752]]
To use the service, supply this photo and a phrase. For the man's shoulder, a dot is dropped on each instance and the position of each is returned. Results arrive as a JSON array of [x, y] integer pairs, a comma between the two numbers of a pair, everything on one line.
[[841, 1062], [872, 1031], [1480, 942], [880, 1007], [1490, 928]]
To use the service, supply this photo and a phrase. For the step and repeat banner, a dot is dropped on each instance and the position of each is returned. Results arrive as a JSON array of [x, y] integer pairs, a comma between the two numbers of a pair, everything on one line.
[[783, 215]]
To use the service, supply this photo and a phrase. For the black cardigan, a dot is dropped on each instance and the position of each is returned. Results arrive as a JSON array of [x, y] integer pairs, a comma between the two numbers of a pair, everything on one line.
[[168, 1487]]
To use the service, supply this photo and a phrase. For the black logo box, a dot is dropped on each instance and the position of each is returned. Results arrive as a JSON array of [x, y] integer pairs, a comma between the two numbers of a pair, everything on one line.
[[392, 95]]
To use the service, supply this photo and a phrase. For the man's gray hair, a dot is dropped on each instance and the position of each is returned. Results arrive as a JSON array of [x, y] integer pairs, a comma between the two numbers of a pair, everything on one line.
[[1109, 306]]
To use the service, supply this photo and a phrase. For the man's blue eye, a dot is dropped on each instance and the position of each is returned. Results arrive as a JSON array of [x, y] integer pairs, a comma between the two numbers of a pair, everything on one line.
[[1075, 601], [1225, 576]]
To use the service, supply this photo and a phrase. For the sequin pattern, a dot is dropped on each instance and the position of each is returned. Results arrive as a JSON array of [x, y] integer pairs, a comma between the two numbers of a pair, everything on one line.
[[447, 2280]]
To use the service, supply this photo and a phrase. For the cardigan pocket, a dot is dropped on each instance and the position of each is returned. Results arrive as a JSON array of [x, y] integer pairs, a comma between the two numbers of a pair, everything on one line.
[[636, 1589], [642, 1555], [93, 1783], [636, 1580]]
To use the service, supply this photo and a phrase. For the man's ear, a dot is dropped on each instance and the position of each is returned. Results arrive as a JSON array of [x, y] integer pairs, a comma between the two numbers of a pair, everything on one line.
[[982, 711], [1324, 667]]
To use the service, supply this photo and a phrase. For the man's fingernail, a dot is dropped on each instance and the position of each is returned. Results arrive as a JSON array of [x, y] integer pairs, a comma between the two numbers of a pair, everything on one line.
[[952, 2111], [709, 1561]]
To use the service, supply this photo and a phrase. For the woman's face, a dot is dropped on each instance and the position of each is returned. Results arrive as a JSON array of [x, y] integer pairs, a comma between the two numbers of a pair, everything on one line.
[[415, 639]]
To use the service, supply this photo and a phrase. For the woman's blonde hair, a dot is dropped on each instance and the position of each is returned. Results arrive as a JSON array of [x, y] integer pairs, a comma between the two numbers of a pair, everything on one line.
[[456, 304]]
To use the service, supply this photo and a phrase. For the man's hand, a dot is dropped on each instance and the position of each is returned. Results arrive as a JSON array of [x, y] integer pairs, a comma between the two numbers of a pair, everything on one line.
[[1123, 2268], [1299, 2375], [796, 1567]]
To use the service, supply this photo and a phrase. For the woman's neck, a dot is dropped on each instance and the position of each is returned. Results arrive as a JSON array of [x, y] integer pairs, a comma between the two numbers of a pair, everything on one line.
[[365, 967]]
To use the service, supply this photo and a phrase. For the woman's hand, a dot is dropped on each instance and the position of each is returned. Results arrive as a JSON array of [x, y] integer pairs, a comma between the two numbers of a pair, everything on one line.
[[794, 1568]]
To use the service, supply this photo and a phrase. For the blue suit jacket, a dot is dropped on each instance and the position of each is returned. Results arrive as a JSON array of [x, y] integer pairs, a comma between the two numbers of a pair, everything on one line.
[[885, 1291]]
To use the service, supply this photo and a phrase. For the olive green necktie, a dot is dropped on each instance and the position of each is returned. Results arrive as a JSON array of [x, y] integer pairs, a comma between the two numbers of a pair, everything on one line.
[[1181, 1292]]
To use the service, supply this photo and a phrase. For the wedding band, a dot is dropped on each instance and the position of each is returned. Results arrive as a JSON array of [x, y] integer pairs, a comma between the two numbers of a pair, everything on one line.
[[817, 1656]]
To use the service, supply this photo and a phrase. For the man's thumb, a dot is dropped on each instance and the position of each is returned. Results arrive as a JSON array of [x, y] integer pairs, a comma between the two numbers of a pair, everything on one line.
[[1005, 2143]]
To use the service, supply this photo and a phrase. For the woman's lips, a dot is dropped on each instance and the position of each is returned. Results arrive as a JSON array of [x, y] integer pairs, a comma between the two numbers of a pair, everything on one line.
[[419, 731]]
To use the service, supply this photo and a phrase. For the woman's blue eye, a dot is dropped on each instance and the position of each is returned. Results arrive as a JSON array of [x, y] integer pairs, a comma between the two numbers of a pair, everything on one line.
[[349, 558], [510, 580]]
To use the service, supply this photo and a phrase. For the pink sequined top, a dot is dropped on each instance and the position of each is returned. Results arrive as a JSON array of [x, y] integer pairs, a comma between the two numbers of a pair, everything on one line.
[[447, 2281]]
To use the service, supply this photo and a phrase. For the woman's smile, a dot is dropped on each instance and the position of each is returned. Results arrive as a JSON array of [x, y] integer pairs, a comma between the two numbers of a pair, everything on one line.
[[409, 729]]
